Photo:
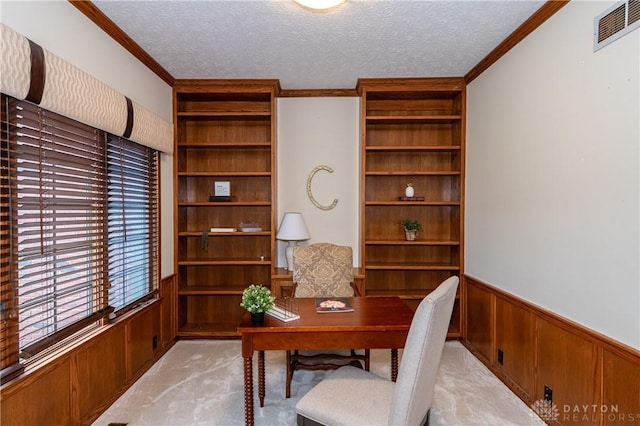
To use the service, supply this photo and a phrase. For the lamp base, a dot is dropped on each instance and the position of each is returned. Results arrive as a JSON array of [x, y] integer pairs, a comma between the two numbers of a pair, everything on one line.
[[288, 253]]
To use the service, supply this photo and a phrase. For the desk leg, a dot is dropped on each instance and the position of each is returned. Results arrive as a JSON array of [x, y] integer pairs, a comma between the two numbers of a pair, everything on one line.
[[248, 391], [394, 364], [261, 377]]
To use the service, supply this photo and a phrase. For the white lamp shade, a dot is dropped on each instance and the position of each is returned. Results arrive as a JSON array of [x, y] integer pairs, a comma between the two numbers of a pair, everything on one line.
[[293, 228]]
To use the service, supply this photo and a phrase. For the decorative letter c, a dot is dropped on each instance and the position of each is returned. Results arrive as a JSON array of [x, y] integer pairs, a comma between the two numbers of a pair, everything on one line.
[[310, 194]]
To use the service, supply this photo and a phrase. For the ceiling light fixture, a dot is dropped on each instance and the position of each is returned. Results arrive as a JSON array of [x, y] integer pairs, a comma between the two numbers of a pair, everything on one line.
[[320, 4]]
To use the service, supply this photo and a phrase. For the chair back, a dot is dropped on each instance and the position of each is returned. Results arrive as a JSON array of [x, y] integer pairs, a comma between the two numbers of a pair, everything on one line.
[[323, 270], [413, 393]]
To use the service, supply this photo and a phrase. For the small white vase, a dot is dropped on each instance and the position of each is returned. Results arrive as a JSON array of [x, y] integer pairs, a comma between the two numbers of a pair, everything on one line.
[[409, 192]]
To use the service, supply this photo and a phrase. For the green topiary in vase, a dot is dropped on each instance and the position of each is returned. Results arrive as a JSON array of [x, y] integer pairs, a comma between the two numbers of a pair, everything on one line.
[[257, 299]]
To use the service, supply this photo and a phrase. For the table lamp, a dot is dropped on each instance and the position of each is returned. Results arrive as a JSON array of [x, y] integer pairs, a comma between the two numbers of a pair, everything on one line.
[[292, 229]]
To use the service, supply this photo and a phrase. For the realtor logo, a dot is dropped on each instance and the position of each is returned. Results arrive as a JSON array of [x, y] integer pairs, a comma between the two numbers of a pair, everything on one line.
[[545, 410]]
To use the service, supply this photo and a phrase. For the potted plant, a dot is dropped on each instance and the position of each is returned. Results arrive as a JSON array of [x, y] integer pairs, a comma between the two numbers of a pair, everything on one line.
[[411, 228], [257, 299]]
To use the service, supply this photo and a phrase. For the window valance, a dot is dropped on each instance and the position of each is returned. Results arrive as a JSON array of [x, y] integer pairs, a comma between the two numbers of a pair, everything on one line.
[[27, 71]]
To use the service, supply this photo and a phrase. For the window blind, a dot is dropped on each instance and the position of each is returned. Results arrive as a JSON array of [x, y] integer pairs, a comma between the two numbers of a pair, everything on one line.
[[8, 323], [59, 172], [78, 227], [133, 221]]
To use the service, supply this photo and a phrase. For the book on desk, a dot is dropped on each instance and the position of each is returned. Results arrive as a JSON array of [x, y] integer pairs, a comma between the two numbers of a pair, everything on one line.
[[333, 304]]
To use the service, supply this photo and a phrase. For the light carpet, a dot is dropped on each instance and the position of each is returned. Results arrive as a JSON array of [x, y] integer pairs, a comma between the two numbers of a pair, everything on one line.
[[200, 382]]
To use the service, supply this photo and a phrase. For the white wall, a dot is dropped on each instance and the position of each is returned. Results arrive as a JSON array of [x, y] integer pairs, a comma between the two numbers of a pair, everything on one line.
[[60, 28], [552, 204], [313, 132]]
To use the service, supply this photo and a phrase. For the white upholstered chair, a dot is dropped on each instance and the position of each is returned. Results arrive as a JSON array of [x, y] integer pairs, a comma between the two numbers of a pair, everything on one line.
[[323, 270], [351, 396]]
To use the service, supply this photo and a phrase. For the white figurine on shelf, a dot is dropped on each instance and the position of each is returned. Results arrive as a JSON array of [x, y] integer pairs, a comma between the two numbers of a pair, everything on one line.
[[409, 192]]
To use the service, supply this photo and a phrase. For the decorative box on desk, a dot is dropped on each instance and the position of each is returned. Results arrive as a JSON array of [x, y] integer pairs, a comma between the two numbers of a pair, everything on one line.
[[282, 282]]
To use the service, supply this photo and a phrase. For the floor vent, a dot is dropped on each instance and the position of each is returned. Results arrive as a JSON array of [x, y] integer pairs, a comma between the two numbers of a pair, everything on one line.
[[617, 21]]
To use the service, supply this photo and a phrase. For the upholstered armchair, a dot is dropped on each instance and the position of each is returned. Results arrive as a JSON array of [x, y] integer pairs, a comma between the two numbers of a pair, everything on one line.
[[351, 396], [323, 270]]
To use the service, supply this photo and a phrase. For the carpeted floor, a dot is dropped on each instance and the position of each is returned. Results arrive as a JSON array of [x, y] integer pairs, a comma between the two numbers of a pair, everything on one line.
[[200, 382]]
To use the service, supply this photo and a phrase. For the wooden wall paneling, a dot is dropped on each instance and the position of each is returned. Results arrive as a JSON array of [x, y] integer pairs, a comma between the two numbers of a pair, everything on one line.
[[594, 379], [168, 294], [141, 335], [99, 372], [620, 390], [42, 399], [515, 336], [76, 385], [479, 320], [568, 364]]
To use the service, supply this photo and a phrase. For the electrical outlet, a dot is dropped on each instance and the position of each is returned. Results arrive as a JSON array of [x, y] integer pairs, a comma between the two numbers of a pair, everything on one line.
[[548, 394], [155, 342], [500, 357]]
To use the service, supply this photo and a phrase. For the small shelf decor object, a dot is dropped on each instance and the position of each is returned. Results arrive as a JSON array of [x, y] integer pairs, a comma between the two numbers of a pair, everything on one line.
[[409, 192], [220, 198], [411, 228], [257, 299], [285, 309], [204, 240], [249, 227], [219, 229], [222, 189]]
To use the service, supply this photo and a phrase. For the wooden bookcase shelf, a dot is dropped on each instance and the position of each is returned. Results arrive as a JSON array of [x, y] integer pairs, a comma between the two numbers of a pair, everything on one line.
[[224, 131], [413, 132], [197, 290]]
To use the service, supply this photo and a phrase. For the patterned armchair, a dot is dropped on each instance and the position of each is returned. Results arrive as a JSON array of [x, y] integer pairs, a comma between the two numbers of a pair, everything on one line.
[[323, 270]]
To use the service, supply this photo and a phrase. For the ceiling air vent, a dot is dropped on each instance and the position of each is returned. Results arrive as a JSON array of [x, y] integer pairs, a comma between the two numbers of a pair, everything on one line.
[[634, 11], [615, 22]]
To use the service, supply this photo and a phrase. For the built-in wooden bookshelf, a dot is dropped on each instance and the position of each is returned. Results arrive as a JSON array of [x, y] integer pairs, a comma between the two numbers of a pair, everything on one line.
[[412, 132], [225, 132]]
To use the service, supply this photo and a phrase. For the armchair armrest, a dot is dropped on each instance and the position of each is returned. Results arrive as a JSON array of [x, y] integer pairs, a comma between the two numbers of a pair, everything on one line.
[[356, 290]]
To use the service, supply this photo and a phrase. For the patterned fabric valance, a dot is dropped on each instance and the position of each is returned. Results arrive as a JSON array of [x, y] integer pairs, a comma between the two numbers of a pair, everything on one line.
[[27, 71]]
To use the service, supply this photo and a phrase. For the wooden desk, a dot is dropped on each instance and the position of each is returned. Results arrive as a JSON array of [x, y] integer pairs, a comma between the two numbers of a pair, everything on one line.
[[376, 323]]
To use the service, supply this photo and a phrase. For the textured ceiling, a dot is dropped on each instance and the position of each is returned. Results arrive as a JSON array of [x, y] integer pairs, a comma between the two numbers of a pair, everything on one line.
[[310, 50]]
